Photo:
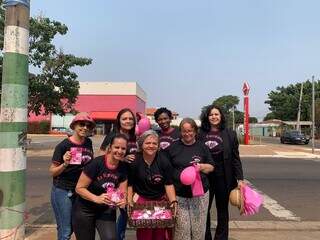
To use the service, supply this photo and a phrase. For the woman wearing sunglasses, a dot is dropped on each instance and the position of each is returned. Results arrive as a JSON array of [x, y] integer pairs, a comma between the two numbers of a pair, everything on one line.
[[68, 159]]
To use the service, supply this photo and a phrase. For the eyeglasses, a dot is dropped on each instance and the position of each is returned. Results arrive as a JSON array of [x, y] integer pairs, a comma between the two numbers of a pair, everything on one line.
[[84, 124], [187, 131]]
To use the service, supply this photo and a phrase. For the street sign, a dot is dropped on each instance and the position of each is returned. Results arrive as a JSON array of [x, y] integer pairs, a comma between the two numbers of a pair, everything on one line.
[[246, 88]]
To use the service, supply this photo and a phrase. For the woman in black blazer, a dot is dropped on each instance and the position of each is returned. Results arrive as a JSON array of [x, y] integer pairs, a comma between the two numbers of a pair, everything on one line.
[[228, 174]]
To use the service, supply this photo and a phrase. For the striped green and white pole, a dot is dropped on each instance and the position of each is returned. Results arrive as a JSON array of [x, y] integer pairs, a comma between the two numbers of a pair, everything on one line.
[[13, 119]]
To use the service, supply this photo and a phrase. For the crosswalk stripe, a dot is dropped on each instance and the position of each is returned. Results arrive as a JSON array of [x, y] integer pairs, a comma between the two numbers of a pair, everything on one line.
[[274, 207]]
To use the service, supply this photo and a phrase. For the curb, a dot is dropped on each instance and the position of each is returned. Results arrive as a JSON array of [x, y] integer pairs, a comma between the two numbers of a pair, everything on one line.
[[240, 225], [281, 156]]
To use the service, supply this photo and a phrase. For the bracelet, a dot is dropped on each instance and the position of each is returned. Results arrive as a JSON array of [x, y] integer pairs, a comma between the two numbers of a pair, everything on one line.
[[65, 164]]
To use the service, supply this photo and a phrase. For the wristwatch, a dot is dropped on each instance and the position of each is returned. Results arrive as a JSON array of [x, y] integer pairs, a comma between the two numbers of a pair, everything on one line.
[[65, 164], [172, 202]]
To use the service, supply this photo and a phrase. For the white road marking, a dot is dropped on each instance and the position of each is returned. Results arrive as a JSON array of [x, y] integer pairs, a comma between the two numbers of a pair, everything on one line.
[[274, 207]]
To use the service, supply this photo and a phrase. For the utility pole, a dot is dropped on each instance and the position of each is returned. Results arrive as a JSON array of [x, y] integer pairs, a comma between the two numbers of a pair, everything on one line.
[[233, 120], [299, 109], [13, 119], [313, 115]]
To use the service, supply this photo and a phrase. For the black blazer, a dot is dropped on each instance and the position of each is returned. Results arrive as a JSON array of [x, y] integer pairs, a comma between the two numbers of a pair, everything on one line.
[[231, 158]]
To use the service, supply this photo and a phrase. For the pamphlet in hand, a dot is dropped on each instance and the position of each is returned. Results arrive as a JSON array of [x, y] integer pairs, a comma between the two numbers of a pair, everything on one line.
[[76, 155]]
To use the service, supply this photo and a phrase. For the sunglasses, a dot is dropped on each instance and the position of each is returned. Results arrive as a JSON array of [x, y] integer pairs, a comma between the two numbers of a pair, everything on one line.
[[85, 124]]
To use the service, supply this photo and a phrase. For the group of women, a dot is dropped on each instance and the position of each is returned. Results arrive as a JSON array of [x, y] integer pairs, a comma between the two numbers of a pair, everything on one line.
[[141, 169]]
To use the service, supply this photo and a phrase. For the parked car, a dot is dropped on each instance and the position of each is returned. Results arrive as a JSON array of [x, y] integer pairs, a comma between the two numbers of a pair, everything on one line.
[[294, 137]]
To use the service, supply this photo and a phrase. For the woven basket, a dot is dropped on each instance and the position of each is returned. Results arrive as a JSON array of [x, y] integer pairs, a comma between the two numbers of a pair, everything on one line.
[[151, 223]]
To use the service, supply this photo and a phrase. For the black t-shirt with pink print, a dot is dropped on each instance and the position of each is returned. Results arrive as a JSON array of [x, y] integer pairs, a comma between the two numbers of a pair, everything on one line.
[[81, 155], [103, 177], [214, 142], [166, 139], [182, 156]]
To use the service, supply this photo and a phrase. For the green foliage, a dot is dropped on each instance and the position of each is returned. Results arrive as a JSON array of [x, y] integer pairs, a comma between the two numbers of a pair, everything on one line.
[[253, 120], [54, 87], [284, 101], [226, 103], [42, 127], [269, 116]]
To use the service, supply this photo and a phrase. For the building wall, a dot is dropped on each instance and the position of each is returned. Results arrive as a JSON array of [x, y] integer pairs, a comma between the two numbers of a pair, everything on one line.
[[89, 103], [103, 98], [112, 88]]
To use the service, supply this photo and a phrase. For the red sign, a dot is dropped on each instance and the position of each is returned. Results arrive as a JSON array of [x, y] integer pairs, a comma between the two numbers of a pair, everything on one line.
[[246, 89]]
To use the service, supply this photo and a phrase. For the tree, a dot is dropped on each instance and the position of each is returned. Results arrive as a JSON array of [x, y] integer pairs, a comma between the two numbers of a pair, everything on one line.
[[283, 102], [54, 88], [317, 117], [269, 116], [253, 120], [226, 103]]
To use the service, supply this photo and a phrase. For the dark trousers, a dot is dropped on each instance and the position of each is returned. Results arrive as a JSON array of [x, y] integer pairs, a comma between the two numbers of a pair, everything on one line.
[[219, 190], [86, 219]]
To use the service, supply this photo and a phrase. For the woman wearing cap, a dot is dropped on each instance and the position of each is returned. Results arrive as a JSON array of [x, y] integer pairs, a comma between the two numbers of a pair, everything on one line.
[[167, 134], [68, 159], [191, 210], [102, 187], [125, 124], [228, 174], [150, 177]]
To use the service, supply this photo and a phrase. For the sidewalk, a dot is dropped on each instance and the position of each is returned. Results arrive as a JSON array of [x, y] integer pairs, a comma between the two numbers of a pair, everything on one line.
[[254, 150], [279, 151], [239, 230]]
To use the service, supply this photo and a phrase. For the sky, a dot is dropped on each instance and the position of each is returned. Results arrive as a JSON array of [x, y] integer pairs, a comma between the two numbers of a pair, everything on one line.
[[186, 53]]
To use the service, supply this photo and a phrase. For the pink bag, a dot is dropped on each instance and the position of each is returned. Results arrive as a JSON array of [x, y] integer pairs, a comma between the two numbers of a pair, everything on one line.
[[252, 200]]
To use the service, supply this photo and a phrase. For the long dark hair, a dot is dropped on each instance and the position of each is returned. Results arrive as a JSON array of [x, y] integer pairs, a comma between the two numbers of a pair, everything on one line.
[[204, 117], [132, 132]]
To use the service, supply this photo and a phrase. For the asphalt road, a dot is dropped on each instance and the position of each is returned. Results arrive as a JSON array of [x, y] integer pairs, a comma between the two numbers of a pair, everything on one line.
[[290, 188]]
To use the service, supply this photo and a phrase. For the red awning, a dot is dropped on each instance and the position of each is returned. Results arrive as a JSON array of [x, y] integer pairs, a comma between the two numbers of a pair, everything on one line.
[[104, 115]]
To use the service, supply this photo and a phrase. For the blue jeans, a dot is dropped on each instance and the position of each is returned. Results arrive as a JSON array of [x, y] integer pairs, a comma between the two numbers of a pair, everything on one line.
[[122, 224], [61, 201]]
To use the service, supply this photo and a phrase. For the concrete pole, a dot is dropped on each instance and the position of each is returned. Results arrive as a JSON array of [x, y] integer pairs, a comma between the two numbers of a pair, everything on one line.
[[299, 109], [13, 119]]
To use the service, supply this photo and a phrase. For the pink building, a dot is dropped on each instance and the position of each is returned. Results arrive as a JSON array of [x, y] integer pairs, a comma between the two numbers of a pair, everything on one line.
[[102, 100]]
